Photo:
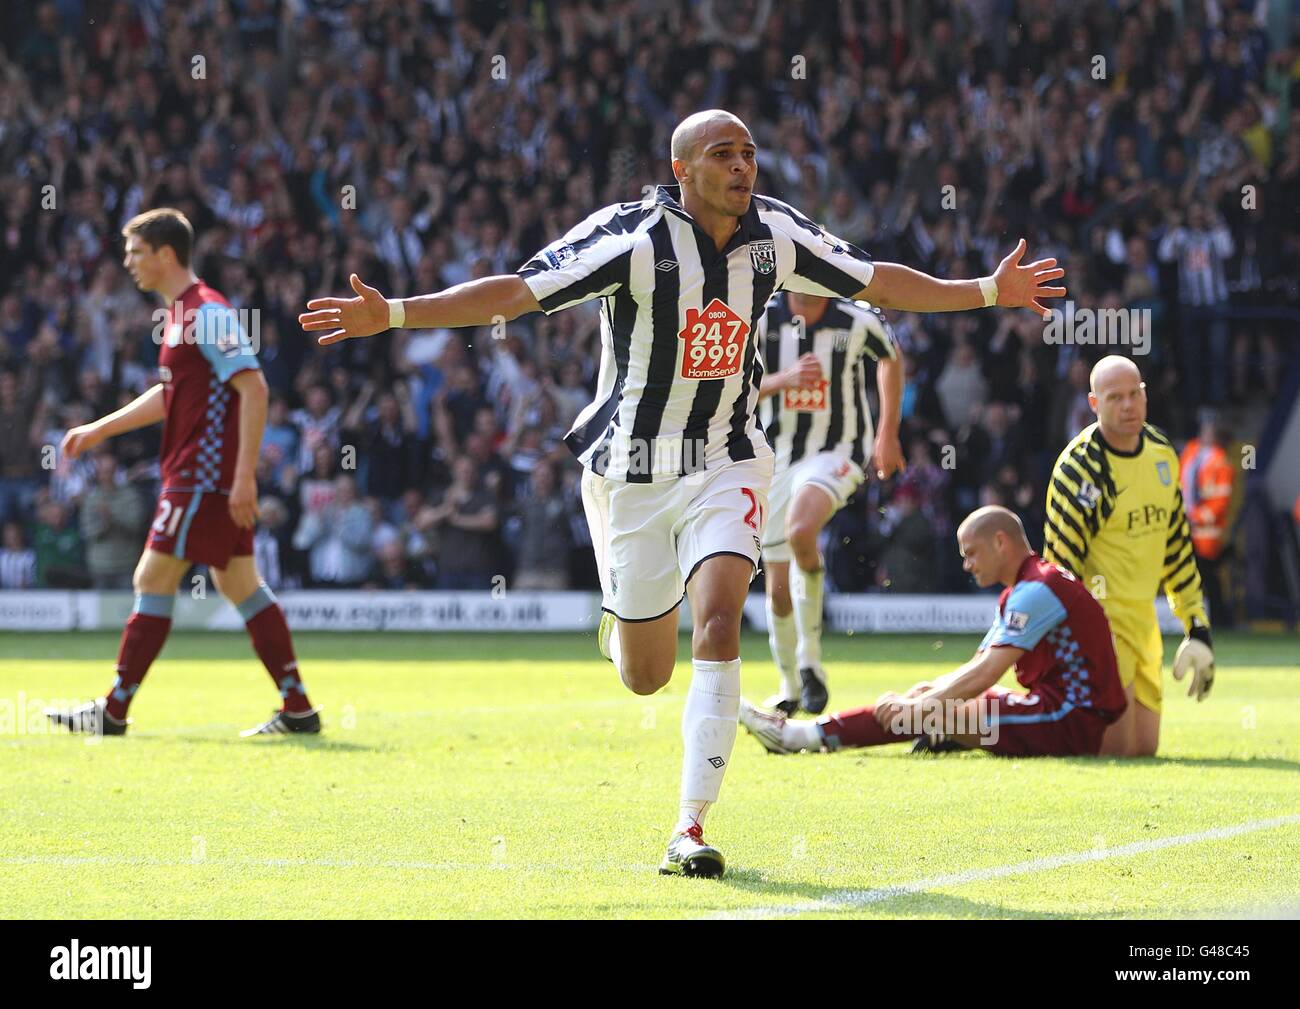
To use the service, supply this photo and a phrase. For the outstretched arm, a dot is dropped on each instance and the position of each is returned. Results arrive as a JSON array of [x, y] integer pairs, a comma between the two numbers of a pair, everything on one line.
[[1011, 286], [145, 409], [473, 303]]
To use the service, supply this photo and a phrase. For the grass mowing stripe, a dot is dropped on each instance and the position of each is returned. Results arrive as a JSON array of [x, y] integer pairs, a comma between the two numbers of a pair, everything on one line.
[[405, 865], [850, 899]]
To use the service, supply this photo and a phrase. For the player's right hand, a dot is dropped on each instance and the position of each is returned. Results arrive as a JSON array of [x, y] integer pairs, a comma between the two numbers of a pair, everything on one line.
[[1196, 654], [78, 440], [347, 318], [805, 373]]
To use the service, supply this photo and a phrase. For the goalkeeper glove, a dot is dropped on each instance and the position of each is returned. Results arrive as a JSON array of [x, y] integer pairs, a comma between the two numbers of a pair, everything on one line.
[[1197, 654]]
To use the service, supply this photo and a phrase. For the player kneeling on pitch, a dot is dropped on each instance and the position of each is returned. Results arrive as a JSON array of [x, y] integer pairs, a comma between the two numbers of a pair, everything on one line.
[[1048, 626]]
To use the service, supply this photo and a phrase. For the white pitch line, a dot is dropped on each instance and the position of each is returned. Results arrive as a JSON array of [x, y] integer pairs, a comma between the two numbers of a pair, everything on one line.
[[847, 900]]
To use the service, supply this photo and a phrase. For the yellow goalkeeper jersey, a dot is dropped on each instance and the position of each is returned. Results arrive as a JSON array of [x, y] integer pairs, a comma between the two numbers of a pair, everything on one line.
[[1115, 519]]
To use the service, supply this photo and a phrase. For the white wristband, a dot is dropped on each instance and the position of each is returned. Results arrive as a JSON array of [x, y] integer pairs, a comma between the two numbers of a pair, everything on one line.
[[396, 313], [989, 288]]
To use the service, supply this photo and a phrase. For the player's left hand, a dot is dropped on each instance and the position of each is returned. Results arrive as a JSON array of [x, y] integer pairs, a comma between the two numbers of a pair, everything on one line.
[[888, 706], [243, 502], [1197, 654], [887, 458], [1022, 286]]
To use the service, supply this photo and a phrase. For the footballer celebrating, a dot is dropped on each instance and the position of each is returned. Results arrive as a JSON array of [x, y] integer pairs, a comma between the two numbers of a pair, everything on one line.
[[212, 400], [813, 406], [1115, 519], [676, 469], [1047, 626]]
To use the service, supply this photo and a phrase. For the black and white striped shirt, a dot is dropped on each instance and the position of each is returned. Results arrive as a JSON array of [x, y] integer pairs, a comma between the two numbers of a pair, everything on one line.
[[834, 416], [17, 569], [1201, 255], [680, 368]]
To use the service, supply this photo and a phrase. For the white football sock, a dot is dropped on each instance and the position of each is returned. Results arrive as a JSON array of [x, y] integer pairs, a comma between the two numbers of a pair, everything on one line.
[[615, 646], [806, 592], [708, 733], [801, 734], [781, 638]]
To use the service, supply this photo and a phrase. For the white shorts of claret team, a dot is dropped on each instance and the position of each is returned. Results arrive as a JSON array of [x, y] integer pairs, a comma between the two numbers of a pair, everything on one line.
[[835, 473], [650, 538]]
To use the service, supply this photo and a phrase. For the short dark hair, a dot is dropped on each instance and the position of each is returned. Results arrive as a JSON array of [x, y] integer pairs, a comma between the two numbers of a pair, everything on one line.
[[164, 226]]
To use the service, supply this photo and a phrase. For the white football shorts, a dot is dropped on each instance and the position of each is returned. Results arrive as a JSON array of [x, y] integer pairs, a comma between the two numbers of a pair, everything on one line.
[[650, 537], [833, 472]]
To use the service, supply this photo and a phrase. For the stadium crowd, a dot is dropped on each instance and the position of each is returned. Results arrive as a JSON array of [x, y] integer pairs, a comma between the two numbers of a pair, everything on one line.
[[420, 143]]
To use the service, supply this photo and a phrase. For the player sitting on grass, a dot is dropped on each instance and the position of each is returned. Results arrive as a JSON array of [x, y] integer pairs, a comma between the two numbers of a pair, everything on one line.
[[212, 402], [1047, 626]]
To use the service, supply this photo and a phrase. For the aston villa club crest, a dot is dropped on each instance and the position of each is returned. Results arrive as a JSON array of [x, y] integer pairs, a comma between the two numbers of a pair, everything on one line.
[[763, 255], [1162, 471]]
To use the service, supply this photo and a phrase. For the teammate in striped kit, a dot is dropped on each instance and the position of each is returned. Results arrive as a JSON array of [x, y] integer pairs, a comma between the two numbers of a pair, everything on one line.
[[211, 398], [676, 468], [815, 412]]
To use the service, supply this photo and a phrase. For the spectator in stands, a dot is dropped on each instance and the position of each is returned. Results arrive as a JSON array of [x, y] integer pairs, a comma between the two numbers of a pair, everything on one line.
[[337, 537], [907, 564], [279, 440], [468, 518], [113, 519], [961, 386], [1201, 249], [318, 425], [544, 540], [388, 456], [458, 173], [317, 490], [17, 559], [19, 472], [392, 571], [272, 544], [1208, 478], [57, 543]]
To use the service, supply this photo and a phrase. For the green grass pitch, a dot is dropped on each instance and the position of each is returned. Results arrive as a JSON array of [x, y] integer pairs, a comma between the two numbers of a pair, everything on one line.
[[504, 776]]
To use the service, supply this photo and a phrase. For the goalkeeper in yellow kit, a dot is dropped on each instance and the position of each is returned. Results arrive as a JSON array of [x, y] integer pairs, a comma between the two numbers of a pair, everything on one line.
[[1115, 520]]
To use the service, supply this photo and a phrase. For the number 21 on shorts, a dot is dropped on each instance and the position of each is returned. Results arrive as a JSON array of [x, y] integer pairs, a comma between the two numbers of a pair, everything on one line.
[[169, 517], [753, 517]]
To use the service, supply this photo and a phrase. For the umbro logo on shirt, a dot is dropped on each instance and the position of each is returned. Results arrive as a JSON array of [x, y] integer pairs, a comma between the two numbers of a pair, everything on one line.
[[666, 264]]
